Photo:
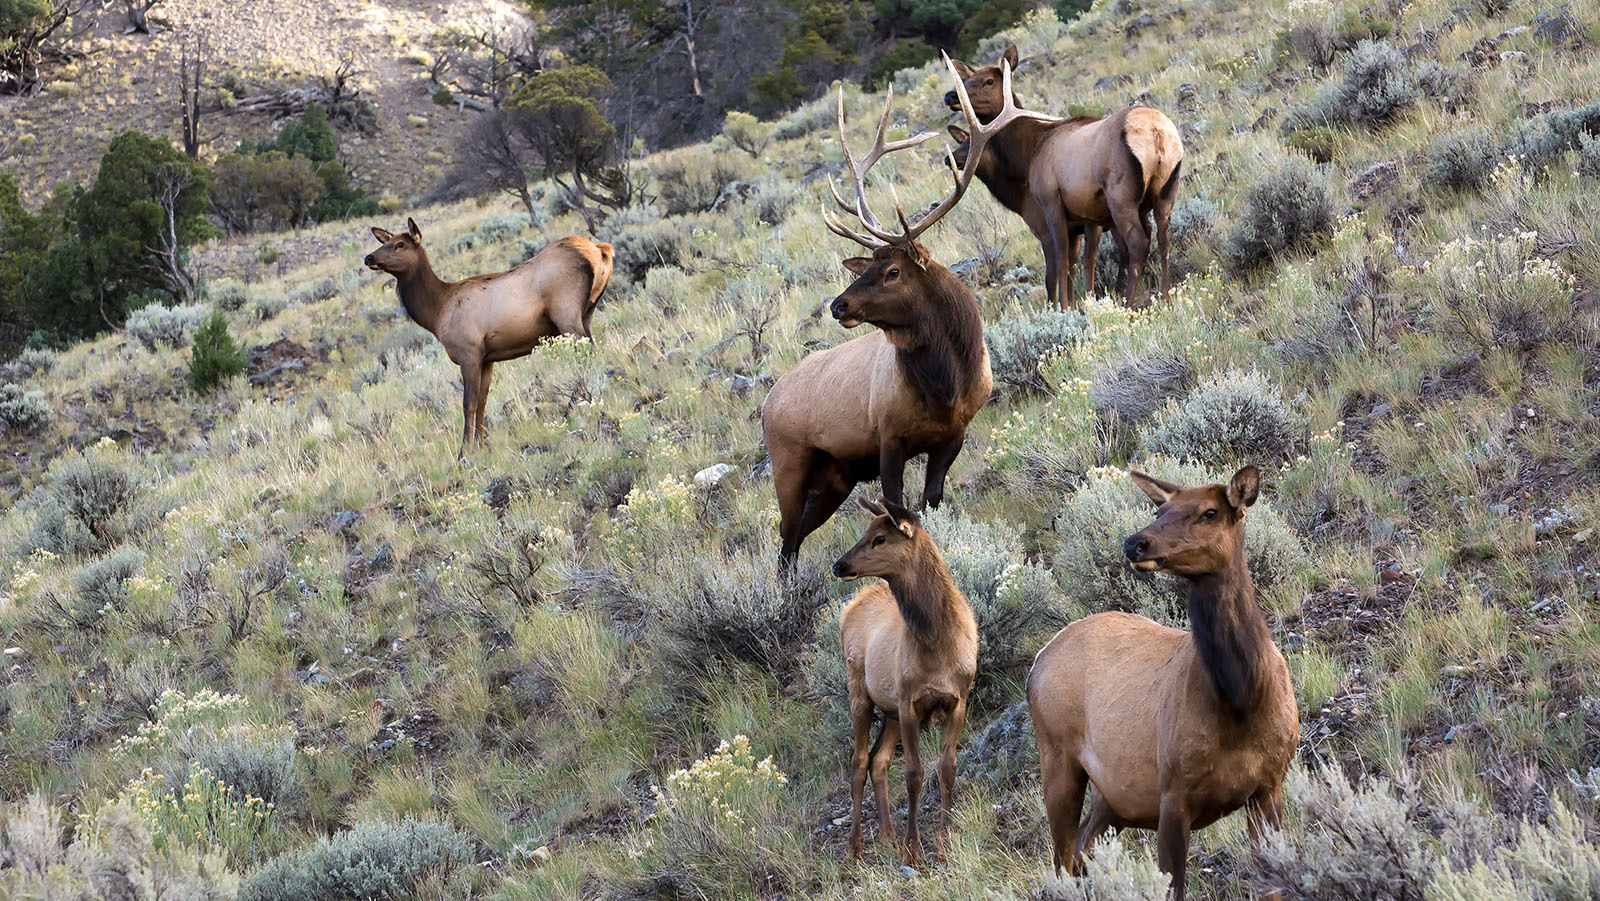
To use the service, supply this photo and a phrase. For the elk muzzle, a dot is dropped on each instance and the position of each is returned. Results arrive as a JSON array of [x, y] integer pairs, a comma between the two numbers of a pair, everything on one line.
[[843, 570], [1136, 548], [371, 263], [952, 101], [840, 309]]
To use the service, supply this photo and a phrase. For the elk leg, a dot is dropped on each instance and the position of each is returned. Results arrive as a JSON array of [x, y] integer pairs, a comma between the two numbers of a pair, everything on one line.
[[947, 760], [1264, 811], [891, 470], [1172, 842], [1052, 266], [471, 373], [939, 462], [821, 501], [1091, 254], [483, 402], [1060, 238], [1130, 225], [1099, 821], [1164, 202], [790, 473], [882, 752], [1064, 781], [861, 726], [910, 728]]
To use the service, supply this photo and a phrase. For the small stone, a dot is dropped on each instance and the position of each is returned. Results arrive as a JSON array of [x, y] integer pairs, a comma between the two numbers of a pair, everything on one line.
[[840, 821], [345, 522], [13, 652], [1577, 538], [498, 493], [383, 560], [1453, 670], [711, 475], [1500, 509], [1381, 410], [906, 873], [1115, 81], [540, 855], [741, 385], [967, 269]]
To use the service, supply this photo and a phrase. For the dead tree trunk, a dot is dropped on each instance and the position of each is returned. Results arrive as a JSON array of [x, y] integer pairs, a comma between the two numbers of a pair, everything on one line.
[[138, 15], [170, 183], [190, 70]]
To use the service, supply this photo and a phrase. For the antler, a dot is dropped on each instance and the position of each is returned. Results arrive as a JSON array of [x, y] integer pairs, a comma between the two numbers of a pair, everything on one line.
[[876, 235]]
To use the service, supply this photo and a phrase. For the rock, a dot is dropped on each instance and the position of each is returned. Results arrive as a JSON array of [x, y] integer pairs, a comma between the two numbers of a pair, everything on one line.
[[967, 269], [1500, 509], [1187, 91], [266, 363], [345, 523], [1381, 410], [1265, 119], [1116, 81], [498, 493], [1390, 575], [711, 475], [1556, 26], [1375, 179], [13, 652], [1294, 642], [540, 855], [383, 560], [905, 873], [1019, 274], [741, 385], [1139, 24], [731, 193]]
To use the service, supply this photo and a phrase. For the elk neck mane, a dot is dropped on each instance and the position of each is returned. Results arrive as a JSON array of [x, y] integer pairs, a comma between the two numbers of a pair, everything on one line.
[[421, 292], [1230, 634], [1017, 144], [941, 350], [926, 595]]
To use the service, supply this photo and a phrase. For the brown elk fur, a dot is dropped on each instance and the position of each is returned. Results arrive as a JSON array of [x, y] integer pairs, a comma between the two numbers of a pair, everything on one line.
[[1174, 729], [487, 319], [1069, 179], [911, 651]]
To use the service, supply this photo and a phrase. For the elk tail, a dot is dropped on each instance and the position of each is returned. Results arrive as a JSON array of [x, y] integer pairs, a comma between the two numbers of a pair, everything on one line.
[[1153, 141], [600, 263]]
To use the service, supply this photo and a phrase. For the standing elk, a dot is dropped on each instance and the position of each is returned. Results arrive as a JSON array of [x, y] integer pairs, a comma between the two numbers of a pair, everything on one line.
[[911, 650], [860, 410], [487, 319], [1174, 729], [1070, 178]]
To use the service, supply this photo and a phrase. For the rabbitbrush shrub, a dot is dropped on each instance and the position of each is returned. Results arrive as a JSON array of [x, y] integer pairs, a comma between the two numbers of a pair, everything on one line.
[[371, 861]]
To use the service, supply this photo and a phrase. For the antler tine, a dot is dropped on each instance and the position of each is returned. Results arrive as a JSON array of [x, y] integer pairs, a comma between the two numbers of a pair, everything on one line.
[[980, 134], [881, 147], [839, 229]]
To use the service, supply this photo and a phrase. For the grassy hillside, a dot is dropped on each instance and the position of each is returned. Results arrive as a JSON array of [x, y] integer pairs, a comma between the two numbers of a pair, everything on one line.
[[293, 589]]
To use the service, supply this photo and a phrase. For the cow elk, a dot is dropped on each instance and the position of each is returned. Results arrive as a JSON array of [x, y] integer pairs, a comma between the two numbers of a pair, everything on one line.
[[487, 319], [1174, 729], [860, 410], [911, 651], [1070, 178]]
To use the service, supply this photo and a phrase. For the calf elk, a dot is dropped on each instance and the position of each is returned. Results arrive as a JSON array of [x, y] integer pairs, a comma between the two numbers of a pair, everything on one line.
[[860, 410], [1069, 178], [486, 319], [911, 650], [1175, 729]]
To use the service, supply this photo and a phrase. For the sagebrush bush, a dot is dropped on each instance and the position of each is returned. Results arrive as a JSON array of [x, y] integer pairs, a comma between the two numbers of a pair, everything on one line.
[[1115, 871], [1289, 206], [1550, 861], [772, 198], [371, 861], [102, 585], [1462, 160], [642, 240], [1131, 388], [746, 132], [215, 357], [31, 362], [1087, 549], [725, 827], [1020, 339], [257, 760], [91, 502], [689, 180], [22, 410], [1588, 156], [1499, 292], [155, 324], [1236, 417], [1355, 844], [269, 304], [1376, 85], [229, 296], [502, 227]]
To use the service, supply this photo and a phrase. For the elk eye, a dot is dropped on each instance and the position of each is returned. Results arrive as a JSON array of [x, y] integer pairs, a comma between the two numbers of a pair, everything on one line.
[[1209, 514], [895, 272], [877, 541], [989, 82]]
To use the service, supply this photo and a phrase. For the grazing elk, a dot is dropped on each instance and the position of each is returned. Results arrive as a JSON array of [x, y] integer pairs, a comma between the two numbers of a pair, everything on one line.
[[1175, 729], [486, 319], [911, 650], [860, 410], [1070, 178]]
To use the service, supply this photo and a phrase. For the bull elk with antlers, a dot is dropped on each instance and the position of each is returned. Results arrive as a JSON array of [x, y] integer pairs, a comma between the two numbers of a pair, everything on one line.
[[860, 410], [487, 319], [1175, 729], [1070, 178]]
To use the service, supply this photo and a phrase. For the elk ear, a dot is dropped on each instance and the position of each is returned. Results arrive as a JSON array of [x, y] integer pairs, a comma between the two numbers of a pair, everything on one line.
[[383, 236], [870, 507], [1010, 56], [411, 226], [962, 69], [904, 519], [960, 134], [1244, 487], [1154, 489], [919, 255], [857, 265]]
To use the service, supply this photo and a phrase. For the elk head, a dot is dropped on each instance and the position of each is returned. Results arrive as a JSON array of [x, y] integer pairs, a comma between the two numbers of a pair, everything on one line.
[[399, 254], [1198, 530], [887, 548], [888, 283], [986, 86]]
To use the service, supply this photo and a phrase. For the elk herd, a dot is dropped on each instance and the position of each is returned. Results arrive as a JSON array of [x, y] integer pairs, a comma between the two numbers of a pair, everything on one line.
[[1173, 729]]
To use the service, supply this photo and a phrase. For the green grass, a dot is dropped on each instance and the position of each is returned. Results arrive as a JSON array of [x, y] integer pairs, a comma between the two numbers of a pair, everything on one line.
[[506, 673]]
